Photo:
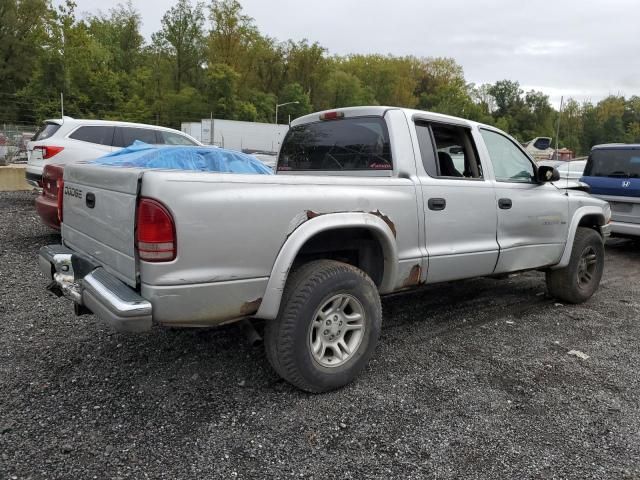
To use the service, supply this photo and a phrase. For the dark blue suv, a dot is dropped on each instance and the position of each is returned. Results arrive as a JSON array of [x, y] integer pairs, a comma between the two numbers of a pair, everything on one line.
[[613, 173]]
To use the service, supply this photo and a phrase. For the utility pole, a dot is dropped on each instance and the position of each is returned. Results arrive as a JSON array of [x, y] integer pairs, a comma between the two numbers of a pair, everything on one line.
[[282, 105], [62, 106], [558, 126]]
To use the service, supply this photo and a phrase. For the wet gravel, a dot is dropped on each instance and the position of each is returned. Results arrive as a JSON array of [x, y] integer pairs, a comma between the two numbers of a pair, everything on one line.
[[470, 380]]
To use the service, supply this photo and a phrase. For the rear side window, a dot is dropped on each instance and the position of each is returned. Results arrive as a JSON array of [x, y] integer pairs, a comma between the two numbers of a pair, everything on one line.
[[170, 138], [125, 136], [337, 145], [100, 134], [448, 151], [45, 131], [617, 163]]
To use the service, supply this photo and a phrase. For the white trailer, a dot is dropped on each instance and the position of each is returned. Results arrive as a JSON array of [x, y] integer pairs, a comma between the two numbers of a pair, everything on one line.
[[236, 135]]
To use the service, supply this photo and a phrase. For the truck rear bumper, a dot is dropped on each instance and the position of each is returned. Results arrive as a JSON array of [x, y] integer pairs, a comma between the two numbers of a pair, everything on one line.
[[96, 289], [33, 179]]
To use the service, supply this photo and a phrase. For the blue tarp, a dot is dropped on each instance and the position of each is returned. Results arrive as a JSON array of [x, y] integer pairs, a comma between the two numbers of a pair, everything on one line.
[[205, 159]]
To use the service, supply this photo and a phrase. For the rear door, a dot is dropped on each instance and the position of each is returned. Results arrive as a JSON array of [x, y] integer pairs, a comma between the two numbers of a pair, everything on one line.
[[99, 212], [459, 203], [126, 136], [532, 217]]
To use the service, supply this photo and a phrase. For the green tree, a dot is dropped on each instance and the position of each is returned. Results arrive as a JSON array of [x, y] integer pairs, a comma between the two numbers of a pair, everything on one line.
[[135, 109], [306, 65], [571, 126], [182, 38], [508, 97], [293, 92], [187, 105], [343, 89], [232, 33], [391, 80], [246, 111], [263, 68], [119, 33], [221, 87], [22, 35], [264, 104]]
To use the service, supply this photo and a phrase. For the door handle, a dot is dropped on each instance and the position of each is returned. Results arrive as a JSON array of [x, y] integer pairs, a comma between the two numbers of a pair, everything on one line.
[[90, 200], [505, 203], [437, 204]]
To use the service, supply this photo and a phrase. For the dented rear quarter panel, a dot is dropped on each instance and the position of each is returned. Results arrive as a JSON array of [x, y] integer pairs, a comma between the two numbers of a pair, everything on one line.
[[230, 229]]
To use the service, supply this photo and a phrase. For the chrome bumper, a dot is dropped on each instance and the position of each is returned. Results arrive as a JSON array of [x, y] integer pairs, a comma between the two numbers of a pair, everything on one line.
[[92, 287]]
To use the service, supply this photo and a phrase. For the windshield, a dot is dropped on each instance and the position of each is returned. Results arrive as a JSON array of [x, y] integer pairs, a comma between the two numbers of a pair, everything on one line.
[[351, 144], [620, 163]]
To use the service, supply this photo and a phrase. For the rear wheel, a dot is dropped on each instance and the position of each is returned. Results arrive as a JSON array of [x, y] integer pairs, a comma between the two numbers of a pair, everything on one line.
[[328, 326], [577, 282]]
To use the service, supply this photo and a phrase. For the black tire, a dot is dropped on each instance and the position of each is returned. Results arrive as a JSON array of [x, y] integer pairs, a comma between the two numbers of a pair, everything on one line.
[[287, 337], [570, 284]]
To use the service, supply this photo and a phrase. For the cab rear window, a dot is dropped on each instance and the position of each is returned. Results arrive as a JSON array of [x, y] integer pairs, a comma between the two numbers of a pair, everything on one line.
[[337, 145], [615, 162]]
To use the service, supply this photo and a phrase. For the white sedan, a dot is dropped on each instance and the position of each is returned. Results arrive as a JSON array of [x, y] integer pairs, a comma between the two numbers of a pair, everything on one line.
[[570, 170]]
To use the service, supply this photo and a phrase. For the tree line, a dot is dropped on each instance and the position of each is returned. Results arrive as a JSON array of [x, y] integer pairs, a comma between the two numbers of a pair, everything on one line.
[[212, 59]]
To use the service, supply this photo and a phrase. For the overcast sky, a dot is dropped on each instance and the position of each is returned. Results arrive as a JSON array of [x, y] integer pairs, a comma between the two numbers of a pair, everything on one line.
[[586, 49]]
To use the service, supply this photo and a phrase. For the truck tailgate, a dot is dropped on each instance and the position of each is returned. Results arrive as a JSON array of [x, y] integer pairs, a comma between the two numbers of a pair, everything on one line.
[[99, 213]]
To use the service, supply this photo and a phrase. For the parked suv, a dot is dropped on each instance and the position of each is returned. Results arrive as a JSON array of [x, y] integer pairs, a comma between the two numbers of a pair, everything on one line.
[[70, 140], [613, 172]]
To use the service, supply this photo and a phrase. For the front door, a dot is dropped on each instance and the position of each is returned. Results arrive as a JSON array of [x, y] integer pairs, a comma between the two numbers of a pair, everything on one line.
[[532, 217]]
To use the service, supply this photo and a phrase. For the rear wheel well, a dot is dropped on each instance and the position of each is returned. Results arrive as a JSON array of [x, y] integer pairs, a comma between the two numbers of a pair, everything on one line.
[[356, 246]]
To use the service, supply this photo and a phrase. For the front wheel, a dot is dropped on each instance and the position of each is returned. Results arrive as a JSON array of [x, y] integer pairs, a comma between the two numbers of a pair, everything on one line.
[[327, 328], [578, 281]]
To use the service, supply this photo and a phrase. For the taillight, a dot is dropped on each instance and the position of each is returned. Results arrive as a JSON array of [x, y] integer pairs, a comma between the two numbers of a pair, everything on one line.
[[156, 232], [50, 176], [48, 151]]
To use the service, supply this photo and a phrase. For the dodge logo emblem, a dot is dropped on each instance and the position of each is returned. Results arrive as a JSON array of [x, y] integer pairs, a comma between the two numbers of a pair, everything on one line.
[[626, 183]]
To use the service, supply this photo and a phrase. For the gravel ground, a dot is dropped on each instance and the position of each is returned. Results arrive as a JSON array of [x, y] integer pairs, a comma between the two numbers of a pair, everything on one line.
[[470, 380]]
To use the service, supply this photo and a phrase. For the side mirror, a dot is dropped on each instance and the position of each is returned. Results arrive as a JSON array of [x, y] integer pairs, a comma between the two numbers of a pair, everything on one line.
[[548, 174]]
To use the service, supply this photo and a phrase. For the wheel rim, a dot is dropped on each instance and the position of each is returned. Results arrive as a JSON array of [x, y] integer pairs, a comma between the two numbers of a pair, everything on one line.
[[337, 330], [587, 266]]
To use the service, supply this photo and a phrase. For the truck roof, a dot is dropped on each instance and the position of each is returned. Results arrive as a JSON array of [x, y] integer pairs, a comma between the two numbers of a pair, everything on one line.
[[617, 146], [379, 111]]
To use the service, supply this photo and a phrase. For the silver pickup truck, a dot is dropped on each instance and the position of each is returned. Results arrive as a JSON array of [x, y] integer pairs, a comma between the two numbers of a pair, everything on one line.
[[366, 201]]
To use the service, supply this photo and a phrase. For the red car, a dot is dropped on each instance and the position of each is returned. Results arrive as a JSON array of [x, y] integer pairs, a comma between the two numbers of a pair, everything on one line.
[[49, 204]]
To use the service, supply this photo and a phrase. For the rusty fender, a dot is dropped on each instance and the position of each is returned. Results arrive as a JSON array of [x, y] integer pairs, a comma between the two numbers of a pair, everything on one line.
[[310, 225]]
